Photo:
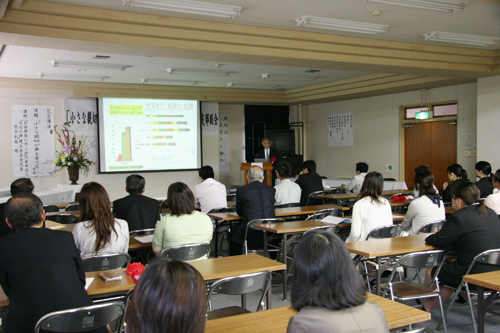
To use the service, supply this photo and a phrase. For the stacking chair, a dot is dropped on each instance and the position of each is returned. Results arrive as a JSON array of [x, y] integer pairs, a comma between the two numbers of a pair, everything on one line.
[[50, 208], [490, 257], [431, 227], [72, 208], [239, 285], [313, 195], [163, 205], [410, 290], [82, 319], [259, 221], [63, 218], [186, 252], [222, 228], [288, 205], [321, 214], [142, 232], [102, 263]]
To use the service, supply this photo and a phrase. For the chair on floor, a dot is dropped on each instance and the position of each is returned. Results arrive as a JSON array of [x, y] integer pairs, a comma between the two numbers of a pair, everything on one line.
[[72, 208], [103, 263], [335, 190], [239, 285], [186, 252], [260, 221], [490, 257], [223, 228], [82, 319], [411, 290], [322, 213], [314, 197], [62, 218], [50, 208], [431, 227]]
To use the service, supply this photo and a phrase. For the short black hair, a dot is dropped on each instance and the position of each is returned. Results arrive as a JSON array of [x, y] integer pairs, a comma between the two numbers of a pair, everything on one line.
[[362, 167], [284, 169], [23, 210], [310, 165], [135, 184], [206, 172], [21, 185], [325, 275]]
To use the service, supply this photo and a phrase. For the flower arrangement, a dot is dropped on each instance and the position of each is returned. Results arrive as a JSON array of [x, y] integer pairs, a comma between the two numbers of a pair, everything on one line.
[[74, 151]]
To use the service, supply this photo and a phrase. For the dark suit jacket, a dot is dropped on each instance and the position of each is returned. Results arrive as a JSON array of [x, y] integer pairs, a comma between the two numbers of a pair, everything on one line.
[[449, 190], [140, 211], [469, 234], [253, 201], [485, 186], [4, 228], [272, 153], [309, 182], [41, 271]]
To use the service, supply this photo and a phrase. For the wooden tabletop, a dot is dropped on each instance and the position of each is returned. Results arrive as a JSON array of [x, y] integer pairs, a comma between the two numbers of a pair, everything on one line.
[[400, 203], [353, 196], [490, 280], [276, 320], [292, 226], [390, 246], [450, 210]]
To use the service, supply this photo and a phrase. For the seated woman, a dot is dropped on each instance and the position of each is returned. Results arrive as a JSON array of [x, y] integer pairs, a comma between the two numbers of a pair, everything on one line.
[[184, 225], [483, 172], [493, 200], [371, 210], [428, 207], [178, 294], [422, 168], [328, 291], [472, 229], [99, 233], [456, 175]]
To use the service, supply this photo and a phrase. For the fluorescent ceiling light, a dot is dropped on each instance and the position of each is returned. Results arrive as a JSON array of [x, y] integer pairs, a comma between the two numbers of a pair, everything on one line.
[[341, 25], [288, 77], [87, 65], [181, 82], [70, 77], [213, 72], [187, 6], [442, 6], [448, 37], [249, 86]]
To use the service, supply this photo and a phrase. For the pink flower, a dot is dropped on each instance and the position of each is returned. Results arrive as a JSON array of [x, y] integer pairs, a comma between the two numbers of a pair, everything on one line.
[[67, 149]]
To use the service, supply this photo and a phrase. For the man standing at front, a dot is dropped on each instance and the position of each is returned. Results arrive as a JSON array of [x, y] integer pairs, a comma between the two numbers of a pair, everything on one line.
[[210, 193], [253, 201], [270, 155]]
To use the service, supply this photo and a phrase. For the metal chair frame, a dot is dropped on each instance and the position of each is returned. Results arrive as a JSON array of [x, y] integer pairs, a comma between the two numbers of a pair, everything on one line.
[[72, 208], [322, 213], [142, 232], [63, 218], [431, 227], [288, 205], [102, 263], [260, 221], [50, 208], [313, 195], [186, 252]]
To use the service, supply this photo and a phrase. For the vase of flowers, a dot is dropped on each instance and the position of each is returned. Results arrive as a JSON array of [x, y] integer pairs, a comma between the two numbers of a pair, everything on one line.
[[74, 153]]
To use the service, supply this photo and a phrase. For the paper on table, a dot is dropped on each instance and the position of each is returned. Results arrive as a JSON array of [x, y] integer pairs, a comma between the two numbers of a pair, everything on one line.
[[53, 225], [145, 239], [335, 219], [88, 282]]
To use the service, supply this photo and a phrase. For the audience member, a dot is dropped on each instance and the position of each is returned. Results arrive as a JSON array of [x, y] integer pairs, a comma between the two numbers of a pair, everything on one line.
[[18, 186], [473, 228], [309, 181], [253, 201], [41, 270], [493, 200], [140, 211], [422, 168], [286, 191], [178, 294], [428, 207], [371, 210], [357, 181], [100, 233], [328, 291], [210, 193], [184, 225], [456, 175], [483, 172]]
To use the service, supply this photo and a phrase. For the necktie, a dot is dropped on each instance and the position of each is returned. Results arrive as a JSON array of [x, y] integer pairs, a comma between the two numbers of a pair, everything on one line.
[[267, 154]]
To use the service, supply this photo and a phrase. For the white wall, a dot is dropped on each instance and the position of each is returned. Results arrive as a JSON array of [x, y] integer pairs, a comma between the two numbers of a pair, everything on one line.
[[488, 120], [376, 129], [236, 116]]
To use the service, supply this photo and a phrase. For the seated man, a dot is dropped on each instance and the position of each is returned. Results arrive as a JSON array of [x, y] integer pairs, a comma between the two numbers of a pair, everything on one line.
[[140, 211], [40, 269], [309, 181], [357, 181], [18, 186], [287, 191], [253, 201], [210, 193]]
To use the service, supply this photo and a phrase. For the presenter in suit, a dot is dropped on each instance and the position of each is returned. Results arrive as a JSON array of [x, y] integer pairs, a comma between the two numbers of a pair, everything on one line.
[[271, 156]]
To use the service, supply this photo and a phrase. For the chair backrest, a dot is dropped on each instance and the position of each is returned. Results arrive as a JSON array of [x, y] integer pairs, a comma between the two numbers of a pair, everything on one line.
[[257, 221], [241, 285], [424, 259], [223, 210], [81, 319], [420, 329], [489, 257], [335, 190], [389, 179], [63, 218], [142, 232], [431, 227], [102, 263], [72, 208], [313, 195], [389, 231], [321, 214], [186, 252], [50, 208], [288, 205], [327, 228]]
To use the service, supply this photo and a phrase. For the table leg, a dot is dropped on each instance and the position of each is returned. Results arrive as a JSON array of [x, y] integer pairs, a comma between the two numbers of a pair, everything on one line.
[[216, 237], [284, 243], [480, 309], [265, 245], [379, 275]]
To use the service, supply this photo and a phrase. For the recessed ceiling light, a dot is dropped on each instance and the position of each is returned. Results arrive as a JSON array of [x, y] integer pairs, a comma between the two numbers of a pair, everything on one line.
[[70, 77], [87, 65]]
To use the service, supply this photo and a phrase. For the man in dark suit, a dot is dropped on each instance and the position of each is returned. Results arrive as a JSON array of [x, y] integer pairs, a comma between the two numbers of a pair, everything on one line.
[[271, 156], [40, 269], [140, 211], [309, 181], [253, 201], [18, 186]]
